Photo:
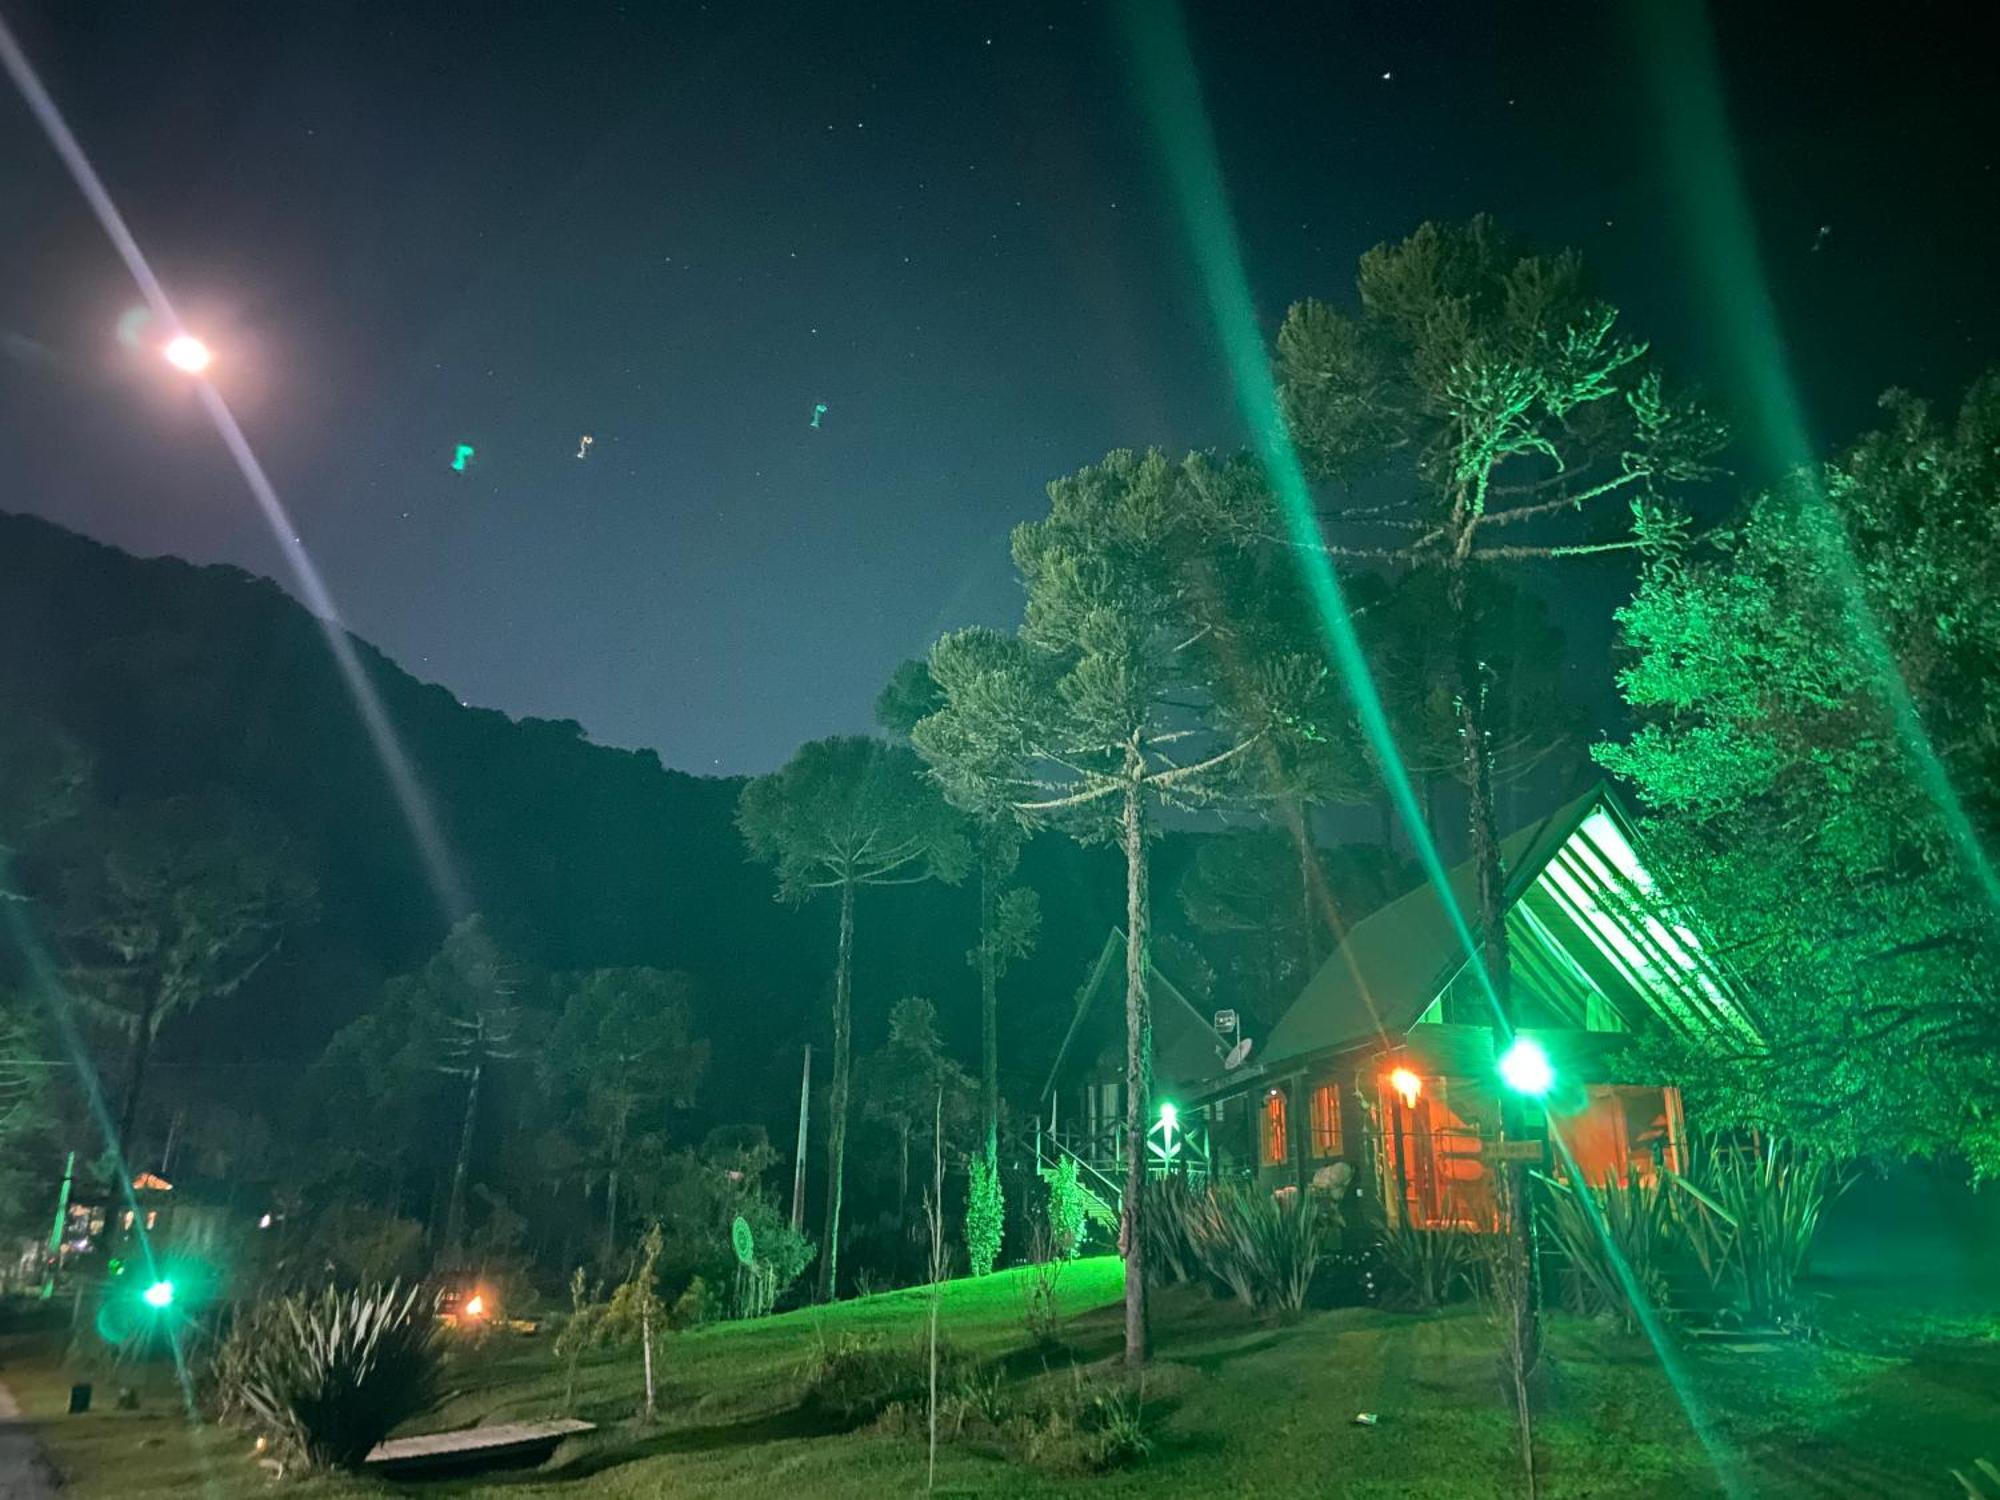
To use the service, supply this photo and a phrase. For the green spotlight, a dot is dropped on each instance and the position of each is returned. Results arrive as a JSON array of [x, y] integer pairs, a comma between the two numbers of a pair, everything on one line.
[[1525, 1068], [159, 1295]]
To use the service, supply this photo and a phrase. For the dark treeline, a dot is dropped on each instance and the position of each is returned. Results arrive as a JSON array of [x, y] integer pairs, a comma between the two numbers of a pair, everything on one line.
[[203, 693]]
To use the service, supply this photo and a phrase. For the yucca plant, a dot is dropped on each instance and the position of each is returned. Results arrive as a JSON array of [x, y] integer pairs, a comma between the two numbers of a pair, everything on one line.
[[1636, 1218], [1263, 1246], [334, 1373], [1426, 1265], [1170, 1208], [1751, 1215]]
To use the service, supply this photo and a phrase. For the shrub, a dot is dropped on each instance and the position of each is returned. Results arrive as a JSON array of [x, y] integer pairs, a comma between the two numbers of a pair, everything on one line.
[[985, 1216], [1750, 1214], [858, 1378], [1066, 1210], [1424, 1267], [1085, 1426], [1637, 1222], [1041, 1312], [327, 1377], [1263, 1246], [1171, 1205], [696, 1305]]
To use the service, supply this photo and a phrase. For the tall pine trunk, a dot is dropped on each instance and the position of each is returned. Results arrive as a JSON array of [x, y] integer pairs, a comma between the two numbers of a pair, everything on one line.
[[1481, 825], [611, 1180], [1480, 820], [135, 1075], [1138, 1060], [989, 1000], [836, 1127], [1298, 818], [454, 1212]]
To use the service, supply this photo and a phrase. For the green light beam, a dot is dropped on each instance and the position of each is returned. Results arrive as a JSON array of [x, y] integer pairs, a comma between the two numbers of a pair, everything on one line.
[[1678, 45]]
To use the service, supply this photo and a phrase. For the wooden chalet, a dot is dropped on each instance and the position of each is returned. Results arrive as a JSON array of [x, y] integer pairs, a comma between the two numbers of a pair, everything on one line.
[[1386, 1060]]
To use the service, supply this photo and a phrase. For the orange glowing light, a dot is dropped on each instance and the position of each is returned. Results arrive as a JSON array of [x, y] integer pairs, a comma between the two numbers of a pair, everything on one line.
[[475, 1306], [1408, 1085]]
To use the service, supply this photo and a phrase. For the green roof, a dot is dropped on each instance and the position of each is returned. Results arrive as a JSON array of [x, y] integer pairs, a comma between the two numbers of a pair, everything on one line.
[[1394, 962]]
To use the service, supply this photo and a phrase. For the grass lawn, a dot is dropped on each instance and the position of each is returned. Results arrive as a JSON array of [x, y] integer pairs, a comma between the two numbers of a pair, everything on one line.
[[1889, 1402]]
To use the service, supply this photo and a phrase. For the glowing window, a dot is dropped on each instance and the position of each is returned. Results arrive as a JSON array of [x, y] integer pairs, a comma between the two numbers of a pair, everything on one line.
[[1274, 1147], [1326, 1120]]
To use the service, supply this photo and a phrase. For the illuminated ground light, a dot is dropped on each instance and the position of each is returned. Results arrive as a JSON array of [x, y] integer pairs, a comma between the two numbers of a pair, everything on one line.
[[186, 352], [1525, 1068]]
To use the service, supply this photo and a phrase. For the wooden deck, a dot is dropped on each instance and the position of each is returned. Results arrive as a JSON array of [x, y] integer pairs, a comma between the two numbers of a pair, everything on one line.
[[512, 1443]]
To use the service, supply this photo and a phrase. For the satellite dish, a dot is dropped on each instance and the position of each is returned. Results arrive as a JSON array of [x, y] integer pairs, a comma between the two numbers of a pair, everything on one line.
[[742, 1241], [1237, 1053]]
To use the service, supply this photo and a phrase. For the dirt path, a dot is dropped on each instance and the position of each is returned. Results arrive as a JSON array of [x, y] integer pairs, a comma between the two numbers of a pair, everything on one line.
[[24, 1475]]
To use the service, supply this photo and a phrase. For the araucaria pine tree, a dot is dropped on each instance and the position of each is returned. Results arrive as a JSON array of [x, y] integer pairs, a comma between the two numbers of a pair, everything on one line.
[[842, 814], [1123, 693]]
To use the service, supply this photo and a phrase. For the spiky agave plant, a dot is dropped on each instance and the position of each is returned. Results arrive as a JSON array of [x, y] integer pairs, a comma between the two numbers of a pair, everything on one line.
[[339, 1371], [1634, 1215]]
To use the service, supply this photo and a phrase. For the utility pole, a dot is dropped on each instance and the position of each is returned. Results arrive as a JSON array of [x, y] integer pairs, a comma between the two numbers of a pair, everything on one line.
[[799, 1161]]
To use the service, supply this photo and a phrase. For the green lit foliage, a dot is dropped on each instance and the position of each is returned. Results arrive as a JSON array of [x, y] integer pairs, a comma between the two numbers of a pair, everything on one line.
[[1790, 812], [327, 1377], [168, 905], [845, 813], [985, 1216], [1127, 689], [1066, 1210], [623, 1050]]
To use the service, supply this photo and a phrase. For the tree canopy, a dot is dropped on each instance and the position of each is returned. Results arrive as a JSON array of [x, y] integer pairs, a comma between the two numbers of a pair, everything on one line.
[[1790, 805]]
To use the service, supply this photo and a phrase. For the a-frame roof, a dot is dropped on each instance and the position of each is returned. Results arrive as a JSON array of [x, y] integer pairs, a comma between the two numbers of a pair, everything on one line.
[[1185, 1043], [1583, 911]]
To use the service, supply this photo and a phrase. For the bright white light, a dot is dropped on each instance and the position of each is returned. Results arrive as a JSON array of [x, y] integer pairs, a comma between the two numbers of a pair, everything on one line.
[[1169, 1116], [186, 352], [159, 1294], [1526, 1069], [265, 1222]]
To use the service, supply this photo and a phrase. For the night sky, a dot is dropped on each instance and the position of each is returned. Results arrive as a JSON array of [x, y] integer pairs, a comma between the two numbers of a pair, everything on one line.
[[677, 228]]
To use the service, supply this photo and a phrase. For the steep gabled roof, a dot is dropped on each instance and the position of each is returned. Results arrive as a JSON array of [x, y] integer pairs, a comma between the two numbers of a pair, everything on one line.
[[1185, 1044], [1587, 913]]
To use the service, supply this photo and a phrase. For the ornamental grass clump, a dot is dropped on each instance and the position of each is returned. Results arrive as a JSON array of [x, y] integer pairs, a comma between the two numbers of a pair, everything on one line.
[[332, 1374]]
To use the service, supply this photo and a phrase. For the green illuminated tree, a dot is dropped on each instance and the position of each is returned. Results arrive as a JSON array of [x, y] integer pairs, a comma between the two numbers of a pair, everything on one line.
[[1789, 806], [1477, 409], [1009, 915], [168, 905], [842, 814], [625, 1046], [1124, 692]]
